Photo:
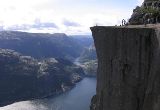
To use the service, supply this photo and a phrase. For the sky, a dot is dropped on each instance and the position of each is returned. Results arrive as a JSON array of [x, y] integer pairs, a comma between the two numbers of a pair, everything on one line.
[[73, 17]]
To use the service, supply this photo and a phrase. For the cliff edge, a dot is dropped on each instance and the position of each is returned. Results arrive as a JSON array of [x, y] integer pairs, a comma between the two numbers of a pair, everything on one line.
[[128, 68]]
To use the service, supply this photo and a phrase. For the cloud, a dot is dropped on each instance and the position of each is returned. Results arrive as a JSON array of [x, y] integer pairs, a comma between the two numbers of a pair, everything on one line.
[[67, 16], [139, 2], [1, 28], [36, 25], [39, 25], [70, 23], [18, 27]]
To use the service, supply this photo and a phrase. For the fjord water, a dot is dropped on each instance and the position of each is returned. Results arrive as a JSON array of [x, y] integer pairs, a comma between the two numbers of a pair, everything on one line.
[[76, 99]]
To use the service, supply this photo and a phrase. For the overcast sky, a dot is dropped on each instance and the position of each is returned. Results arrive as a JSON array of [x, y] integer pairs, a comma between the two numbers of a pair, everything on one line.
[[67, 16]]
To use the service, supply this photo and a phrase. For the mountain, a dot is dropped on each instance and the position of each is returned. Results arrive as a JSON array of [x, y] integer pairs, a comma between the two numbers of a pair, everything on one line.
[[83, 40], [25, 78], [40, 45], [58, 45], [88, 60], [147, 13], [88, 54]]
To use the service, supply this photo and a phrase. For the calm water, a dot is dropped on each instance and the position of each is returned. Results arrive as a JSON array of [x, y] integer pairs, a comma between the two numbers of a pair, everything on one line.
[[76, 99]]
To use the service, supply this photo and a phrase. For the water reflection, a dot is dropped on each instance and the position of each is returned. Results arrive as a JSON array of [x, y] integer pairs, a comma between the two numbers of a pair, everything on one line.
[[76, 99]]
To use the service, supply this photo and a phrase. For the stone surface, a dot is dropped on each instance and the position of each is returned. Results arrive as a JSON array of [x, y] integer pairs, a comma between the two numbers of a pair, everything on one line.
[[128, 68], [148, 13]]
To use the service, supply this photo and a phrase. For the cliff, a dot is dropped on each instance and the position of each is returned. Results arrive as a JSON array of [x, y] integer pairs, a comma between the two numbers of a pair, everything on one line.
[[128, 68]]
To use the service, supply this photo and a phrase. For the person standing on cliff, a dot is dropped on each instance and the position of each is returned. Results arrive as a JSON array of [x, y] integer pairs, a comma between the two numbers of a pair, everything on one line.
[[123, 22]]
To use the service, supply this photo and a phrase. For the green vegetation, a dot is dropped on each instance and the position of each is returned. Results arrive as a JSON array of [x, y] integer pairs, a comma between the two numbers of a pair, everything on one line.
[[150, 10]]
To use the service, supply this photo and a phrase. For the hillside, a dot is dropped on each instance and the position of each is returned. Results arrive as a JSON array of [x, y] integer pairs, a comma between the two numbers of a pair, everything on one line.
[[25, 78], [39, 45], [58, 45], [88, 60]]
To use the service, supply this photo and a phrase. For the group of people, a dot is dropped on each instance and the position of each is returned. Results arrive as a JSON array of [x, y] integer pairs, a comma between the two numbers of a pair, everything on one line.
[[145, 20], [123, 22]]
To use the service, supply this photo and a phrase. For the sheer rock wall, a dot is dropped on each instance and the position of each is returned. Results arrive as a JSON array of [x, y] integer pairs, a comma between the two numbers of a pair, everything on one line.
[[128, 68]]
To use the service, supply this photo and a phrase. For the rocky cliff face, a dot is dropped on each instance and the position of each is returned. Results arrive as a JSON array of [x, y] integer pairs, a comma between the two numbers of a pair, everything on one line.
[[25, 78], [128, 68], [147, 13]]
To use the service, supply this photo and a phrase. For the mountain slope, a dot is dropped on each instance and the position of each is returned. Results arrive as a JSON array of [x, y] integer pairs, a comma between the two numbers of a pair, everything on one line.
[[88, 60], [24, 78], [39, 45]]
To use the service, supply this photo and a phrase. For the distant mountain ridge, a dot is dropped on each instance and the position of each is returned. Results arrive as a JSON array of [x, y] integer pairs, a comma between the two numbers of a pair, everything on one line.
[[57, 45], [41, 45], [84, 40]]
